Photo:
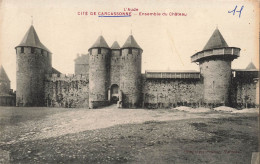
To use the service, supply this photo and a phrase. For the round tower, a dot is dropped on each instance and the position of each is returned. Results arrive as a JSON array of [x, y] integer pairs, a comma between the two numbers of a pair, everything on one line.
[[98, 73], [130, 73], [33, 62], [215, 68]]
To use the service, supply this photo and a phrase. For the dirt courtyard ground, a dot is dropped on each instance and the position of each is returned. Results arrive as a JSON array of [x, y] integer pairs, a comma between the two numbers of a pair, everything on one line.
[[111, 135]]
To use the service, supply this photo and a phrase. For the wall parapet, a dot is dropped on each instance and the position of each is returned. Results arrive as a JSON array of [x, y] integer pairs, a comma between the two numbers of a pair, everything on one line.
[[172, 75], [65, 77], [231, 52]]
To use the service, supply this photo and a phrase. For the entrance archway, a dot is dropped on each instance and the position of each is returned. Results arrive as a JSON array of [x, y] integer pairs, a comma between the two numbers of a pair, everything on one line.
[[114, 93]]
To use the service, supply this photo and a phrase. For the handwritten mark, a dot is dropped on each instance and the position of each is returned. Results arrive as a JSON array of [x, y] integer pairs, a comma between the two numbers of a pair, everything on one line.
[[234, 11]]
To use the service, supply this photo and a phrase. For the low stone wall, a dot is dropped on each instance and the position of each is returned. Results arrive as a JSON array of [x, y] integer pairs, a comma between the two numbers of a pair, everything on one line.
[[7, 100], [244, 94], [164, 93], [67, 91]]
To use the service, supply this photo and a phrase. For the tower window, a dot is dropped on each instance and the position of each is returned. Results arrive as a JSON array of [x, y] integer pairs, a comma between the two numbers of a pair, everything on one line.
[[32, 50], [130, 51], [22, 49], [99, 50], [41, 51]]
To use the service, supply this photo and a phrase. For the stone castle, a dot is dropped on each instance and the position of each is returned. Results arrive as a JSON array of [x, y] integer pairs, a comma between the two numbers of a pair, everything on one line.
[[7, 96], [108, 75]]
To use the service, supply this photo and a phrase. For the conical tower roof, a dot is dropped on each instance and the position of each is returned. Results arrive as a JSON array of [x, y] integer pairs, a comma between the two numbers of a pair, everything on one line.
[[100, 43], [115, 46], [3, 75], [250, 66], [216, 41], [131, 43], [31, 39]]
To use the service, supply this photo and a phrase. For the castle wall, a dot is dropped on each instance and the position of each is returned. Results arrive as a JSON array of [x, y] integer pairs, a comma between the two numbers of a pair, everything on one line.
[[8, 100], [245, 90], [216, 76], [246, 94], [115, 67], [130, 77], [163, 93], [66, 91], [98, 76], [82, 69], [30, 74], [4, 86], [7, 96]]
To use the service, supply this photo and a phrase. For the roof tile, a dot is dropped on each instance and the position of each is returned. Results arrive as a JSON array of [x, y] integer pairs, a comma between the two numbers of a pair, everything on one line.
[[31, 39], [115, 46], [216, 41], [131, 43], [250, 66], [100, 43]]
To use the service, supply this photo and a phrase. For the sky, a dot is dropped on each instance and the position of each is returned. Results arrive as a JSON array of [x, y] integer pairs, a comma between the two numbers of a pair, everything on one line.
[[167, 41]]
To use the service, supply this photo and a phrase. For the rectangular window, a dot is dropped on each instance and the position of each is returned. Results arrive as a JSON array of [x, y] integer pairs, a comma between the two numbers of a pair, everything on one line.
[[99, 50], [32, 50], [41, 51], [130, 51], [22, 49]]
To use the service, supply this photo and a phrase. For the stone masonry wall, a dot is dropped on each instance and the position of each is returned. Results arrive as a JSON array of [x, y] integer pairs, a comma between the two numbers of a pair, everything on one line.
[[216, 75], [115, 67], [66, 91], [8, 100], [4, 86], [244, 91], [32, 65], [130, 77], [98, 76], [163, 93], [246, 94]]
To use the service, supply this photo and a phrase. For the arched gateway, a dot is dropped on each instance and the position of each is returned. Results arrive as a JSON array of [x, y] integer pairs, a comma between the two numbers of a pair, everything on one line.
[[114, 90]]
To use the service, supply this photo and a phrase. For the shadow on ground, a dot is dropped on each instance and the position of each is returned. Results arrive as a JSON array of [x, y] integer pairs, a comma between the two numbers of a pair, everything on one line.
[[197, 140]]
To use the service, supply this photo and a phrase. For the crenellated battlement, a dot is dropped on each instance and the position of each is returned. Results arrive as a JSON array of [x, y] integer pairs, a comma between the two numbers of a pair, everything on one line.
[[35, 51], [130, 57], [65, 77]]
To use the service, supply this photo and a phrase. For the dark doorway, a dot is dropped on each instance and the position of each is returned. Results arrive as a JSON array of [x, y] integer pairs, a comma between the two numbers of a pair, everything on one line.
[[114, 93]]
